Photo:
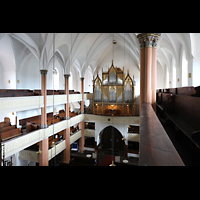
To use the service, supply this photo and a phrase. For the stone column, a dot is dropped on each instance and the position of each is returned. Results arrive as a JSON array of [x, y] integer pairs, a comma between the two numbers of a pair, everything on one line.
[[82, 124], [44, 93], [44, 144], [67, 93], [82, 92], [66, 154], [44, 155], [154, 72], [148, 67], [142, 72]]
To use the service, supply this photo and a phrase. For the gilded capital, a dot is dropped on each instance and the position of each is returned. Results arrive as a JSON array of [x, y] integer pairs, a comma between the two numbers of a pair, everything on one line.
[[148, 39], [66, 76], [155, 41], [43, 72]]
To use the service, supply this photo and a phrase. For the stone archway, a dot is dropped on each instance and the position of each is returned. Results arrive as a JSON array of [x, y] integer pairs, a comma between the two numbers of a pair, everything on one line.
[[111, 142]]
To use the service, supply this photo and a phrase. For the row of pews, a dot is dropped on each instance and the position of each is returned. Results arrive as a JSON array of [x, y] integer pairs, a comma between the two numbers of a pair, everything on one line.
[[8, 131], [34, 123], [181, 106], [20, 93]]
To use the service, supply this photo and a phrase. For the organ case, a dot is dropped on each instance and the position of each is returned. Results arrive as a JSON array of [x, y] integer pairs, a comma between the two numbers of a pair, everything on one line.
[[114, 94]]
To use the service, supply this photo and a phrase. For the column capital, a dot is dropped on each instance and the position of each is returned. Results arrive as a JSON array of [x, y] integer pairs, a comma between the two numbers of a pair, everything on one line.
[[43, 72], [148, 39], [155, 41], [82, 78], [66, 76]]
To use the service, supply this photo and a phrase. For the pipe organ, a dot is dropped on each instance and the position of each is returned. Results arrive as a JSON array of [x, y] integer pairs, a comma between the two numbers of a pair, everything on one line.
[[114, 94]]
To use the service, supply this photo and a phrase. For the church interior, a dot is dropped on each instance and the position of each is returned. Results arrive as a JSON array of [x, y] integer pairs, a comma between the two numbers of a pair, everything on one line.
[[99, 99]]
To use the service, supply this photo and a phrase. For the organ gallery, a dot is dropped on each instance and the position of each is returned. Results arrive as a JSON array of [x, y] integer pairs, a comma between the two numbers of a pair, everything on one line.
[[114, 93]]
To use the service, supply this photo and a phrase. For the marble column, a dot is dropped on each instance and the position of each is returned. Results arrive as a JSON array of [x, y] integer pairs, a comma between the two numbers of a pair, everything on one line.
[[66, 153], [82, 92], [148, 67], [82, 124], [67, 93], [44, 93], [44, 155], [154, 72], [142, 73], [148, 62], [44, 144]]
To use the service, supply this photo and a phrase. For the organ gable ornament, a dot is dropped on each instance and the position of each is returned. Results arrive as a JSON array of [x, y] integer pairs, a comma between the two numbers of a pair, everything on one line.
[[114, 92]]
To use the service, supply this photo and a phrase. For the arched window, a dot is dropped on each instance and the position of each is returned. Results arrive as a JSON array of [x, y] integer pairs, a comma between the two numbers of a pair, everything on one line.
[[55, 79], [184, 70]]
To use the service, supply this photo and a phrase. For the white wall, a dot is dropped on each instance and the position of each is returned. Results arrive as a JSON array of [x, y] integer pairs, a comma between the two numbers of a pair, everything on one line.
[[29, 74], [75, 80], [196, 72], [160, 77], [8, 67], [88, 81]]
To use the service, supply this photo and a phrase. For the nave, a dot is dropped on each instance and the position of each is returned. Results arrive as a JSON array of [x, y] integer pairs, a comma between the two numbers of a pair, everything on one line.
[[63, 94]]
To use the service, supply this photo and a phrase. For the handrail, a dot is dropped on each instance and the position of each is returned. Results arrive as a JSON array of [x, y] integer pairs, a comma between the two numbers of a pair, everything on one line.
[[156, 149]]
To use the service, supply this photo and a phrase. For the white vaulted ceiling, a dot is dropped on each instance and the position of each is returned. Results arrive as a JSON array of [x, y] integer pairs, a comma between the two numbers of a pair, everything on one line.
[[92, 49]]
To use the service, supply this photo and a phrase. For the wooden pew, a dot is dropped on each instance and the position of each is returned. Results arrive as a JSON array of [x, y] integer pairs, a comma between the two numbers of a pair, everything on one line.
[[15, 93], [31, 127], [55, 120], [7, 128], [184, 111], [10, 134], [4, 124], [62, 114], [72, 114], [21, 92]]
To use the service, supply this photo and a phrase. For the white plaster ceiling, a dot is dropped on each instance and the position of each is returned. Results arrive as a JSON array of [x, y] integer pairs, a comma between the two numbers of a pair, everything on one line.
[[91, 49]]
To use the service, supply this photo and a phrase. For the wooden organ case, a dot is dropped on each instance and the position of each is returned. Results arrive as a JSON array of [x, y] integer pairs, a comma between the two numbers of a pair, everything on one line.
[[114, 95]]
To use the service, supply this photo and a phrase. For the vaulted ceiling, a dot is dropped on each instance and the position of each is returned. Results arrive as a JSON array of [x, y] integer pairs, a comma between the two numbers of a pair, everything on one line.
[[91, 49]]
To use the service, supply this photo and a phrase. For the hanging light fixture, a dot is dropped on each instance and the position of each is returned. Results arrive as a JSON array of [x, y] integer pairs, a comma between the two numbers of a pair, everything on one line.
[[114, 42]]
